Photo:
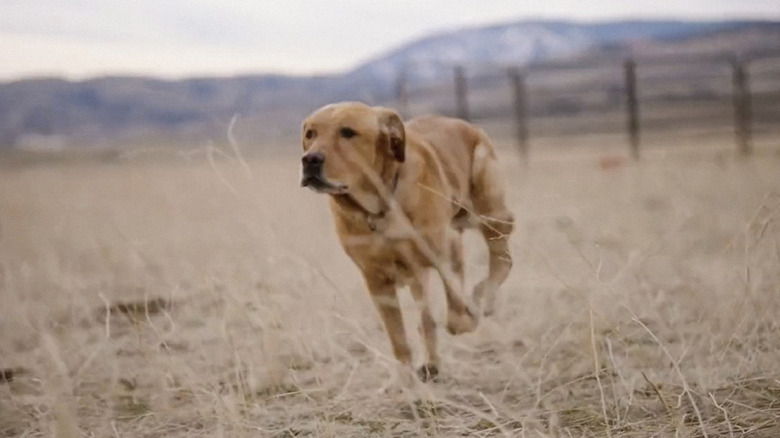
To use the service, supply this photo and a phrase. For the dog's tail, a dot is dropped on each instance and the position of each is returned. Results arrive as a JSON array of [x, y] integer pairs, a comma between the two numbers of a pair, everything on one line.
[[495, 220]]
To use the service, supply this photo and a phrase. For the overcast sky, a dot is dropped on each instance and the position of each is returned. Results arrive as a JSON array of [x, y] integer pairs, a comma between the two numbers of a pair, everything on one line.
[[176, 38]]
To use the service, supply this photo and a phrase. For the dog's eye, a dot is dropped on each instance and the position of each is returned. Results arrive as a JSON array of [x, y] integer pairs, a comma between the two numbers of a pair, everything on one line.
[[347, 132], [309, 134]]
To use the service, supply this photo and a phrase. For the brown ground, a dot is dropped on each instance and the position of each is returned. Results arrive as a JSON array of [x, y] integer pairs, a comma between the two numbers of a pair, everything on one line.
[[181, 298]]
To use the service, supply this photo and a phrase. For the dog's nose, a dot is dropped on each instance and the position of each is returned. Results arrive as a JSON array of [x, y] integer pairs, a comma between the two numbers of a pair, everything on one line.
[[313, 160]]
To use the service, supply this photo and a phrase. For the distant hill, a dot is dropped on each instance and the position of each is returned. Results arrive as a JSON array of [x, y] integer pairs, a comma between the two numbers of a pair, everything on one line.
[[528, 42], [50, 112]]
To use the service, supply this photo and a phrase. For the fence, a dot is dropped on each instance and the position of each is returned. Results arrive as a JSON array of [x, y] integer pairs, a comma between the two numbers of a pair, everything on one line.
[[638, 99]]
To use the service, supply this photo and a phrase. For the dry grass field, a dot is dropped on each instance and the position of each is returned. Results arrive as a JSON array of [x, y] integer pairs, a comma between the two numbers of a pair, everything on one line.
[[183, 298]]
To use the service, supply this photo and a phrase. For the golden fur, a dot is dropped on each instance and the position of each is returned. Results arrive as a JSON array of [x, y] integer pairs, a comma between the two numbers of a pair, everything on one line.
[[401, 195]]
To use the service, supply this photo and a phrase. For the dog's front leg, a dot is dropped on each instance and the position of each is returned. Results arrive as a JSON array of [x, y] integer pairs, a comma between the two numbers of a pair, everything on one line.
[[419, 289], [383, 293]]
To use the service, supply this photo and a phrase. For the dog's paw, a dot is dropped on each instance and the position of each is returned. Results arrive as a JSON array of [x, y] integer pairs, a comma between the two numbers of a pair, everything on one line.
[[428, 372], [485, 297], [462, 322], [401, 380]]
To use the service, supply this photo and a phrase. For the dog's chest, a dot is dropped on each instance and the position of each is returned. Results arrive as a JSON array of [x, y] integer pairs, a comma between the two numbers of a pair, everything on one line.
[[381, 242], [375, 229]]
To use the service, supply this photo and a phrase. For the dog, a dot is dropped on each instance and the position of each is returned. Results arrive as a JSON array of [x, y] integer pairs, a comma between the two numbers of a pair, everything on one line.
[[401, 195]]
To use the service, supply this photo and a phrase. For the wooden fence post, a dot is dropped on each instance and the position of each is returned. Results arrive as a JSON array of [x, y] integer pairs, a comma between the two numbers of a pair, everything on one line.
[[517, 79], [632, 107], [743, 114], [461, 98], [402, 91]]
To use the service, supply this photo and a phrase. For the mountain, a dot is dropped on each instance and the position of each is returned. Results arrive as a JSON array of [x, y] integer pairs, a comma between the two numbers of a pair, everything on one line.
[[55, 113], [525, 43]]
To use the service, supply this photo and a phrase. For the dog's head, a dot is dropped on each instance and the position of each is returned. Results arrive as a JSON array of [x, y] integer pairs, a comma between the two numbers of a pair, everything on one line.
[[343, 141]]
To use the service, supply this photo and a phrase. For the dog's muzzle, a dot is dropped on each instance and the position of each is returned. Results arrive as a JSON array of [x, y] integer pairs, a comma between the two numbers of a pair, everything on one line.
[[312, 175], [312, 164]]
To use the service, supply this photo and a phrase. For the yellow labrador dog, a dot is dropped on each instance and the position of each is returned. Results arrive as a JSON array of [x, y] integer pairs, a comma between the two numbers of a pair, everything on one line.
[[401, 195]]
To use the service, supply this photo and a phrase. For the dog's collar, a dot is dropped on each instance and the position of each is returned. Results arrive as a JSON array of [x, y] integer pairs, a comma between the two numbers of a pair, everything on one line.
[[350, 203]]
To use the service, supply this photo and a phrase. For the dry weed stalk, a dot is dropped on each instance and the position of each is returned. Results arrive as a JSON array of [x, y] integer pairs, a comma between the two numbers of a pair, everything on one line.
[[541, 376]]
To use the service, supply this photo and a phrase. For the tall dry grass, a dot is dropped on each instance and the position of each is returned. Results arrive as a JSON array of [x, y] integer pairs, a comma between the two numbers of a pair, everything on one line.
[[183, 298]]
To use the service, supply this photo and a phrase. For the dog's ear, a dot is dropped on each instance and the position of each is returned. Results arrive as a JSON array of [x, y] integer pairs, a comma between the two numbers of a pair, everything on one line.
[[393, 134]]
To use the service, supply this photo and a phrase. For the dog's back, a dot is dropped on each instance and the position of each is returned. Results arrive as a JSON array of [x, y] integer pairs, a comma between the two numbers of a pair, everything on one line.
[[453, 141]]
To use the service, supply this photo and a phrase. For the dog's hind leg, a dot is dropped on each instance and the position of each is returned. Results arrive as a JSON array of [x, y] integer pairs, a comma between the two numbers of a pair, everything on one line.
[[495, 222]]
